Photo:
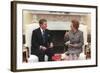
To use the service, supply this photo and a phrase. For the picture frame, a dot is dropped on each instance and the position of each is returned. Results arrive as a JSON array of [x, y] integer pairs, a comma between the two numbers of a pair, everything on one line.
[[56, 12]]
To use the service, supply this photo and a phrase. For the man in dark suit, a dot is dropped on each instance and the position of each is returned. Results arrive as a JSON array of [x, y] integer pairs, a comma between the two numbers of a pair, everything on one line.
[[41, 42]]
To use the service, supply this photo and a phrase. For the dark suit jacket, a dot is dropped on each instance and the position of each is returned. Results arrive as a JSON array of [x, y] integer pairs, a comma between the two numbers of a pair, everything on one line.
[[37, 40]]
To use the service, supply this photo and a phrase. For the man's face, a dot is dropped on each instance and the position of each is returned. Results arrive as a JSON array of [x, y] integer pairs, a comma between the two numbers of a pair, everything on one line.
[[44, 25]]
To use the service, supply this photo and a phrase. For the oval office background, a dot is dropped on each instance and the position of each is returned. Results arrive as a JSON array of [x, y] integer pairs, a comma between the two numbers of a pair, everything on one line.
[[58, 23]]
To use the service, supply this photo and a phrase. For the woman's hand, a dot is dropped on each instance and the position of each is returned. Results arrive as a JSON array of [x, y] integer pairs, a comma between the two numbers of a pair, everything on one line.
[[70, 45], [73, 45], [51, 45]]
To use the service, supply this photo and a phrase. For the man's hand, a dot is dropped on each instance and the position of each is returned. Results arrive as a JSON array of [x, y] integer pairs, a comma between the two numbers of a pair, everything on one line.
[[43, 48]]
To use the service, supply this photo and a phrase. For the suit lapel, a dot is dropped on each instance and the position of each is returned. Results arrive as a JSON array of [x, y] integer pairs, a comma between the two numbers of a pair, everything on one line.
[[41, 36]]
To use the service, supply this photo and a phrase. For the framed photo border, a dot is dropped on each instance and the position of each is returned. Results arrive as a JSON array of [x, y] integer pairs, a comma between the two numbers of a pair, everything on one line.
[[14, 34]]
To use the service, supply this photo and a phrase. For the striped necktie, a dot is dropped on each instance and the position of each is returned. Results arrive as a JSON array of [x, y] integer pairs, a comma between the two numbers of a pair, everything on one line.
[[44, 36]]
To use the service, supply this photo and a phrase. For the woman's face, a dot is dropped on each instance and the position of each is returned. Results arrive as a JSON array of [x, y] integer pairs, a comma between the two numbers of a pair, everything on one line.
[[72, 28]]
